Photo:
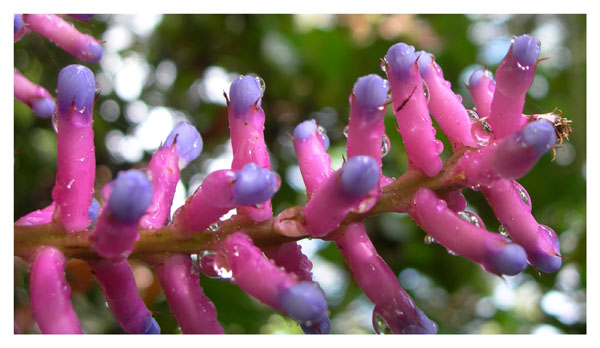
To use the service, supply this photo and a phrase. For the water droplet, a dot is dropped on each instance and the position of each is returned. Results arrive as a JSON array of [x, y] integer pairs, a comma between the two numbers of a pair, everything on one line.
[[106, 304], [524, 196], [439, 146], [221, 266], [365, 205], [55, 121], [429, 240], [214, 227], [502, 230], [383, 65], [452, 253], [426, 91], [470, 217], [389, 97], [459, 97], [386, 145], [473, 115], [481, 132], [345, 131], [70, 184], [261, 83], [380, 325], [322, 130]]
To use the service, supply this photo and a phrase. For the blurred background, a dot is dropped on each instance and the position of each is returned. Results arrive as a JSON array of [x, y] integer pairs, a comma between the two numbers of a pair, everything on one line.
[[158, 70]]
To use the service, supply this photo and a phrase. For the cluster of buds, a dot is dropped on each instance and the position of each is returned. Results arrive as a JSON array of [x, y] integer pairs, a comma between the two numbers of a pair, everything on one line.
[[492, 147]]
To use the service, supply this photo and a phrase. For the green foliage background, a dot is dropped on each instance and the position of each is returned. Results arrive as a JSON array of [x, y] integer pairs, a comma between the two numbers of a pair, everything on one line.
[[309, 72]]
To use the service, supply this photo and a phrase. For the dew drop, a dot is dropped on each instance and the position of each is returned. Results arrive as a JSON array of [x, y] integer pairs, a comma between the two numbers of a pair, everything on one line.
[[365, 205], [70, 184], [439, 146], [473, 115], [55, 121], [221, 267], [386, 145], [459, 97], [426, 91], [481, 132], [322, 130], [380, 325], [383, 65], [524, 196], [429, 240], [470, 217], [214, 227], [345, 131], [389, 98], [452, 253], [261, 83], [502, 230], [106, 304]]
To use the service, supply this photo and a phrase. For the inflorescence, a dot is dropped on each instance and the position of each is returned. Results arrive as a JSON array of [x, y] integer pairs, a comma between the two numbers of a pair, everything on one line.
[[493, 146]]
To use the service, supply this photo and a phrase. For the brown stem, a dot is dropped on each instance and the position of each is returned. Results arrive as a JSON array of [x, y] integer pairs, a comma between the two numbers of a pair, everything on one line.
[[287, 226]]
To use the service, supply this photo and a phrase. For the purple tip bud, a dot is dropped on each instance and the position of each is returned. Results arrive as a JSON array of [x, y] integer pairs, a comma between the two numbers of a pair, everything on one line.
[[18, 22], [131, 194], [304, 302], [325, 140], [254, 185], [525, 49], [94, 52], [94, 210], [360, 174], [539, 136], [81, 17], [152, 327], [478, 75], [321, 327], [546, 263], [43, 107], [519, 152], [305, 129], [424, 61], [401, 57], [244, 92], [189, 141], [426, 326], [511, 260], [371, 91], [76, 88]]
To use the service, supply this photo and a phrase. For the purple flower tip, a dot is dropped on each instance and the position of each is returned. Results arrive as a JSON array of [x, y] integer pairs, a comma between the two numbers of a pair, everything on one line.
[[43, 107], [189, 141], [538, 135], [371, 91], [546, 263], [325, 140], [152, 327], [400, 57], [76, 88], [321, 327], [81, 17], [478, 75], [424, 61], [244, 92], [94, 52], [359, 175], [254, 185], [304, 302], [511, 260], [305, 129], [131, 194], [425, 326], [525, 49], [94, 210], [18, 22]]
